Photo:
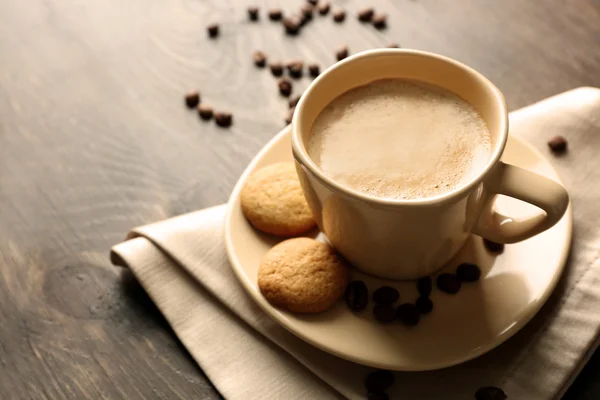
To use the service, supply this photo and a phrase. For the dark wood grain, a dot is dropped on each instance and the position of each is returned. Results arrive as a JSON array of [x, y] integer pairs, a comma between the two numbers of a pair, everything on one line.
[[94, 139]]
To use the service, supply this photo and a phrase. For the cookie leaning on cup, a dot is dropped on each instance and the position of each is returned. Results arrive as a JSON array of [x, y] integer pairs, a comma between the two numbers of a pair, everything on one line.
[[273, 202]]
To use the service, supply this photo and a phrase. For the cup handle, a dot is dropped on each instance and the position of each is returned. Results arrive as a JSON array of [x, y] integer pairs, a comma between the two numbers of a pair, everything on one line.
[[526, 186]]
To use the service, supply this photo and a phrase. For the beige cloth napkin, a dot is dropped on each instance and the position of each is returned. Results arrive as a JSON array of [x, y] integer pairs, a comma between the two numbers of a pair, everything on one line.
[[182, 264]]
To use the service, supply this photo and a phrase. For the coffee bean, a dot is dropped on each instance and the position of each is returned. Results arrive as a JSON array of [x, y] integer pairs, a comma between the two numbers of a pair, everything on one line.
[[365, 15], [467, 272], [342, 53], [377, 395], [493, 246], [290, 115], [213, 30], [393, 46], [307, 12], [339, 16], [253, 13], [558, 144], [385, 295], [384, 314], [379, 381], [314, 70], [205, 111], [380, 21], [285, 87], [357, 295], [490, 393], [292, 25], [223, 119], [408, 314], [295, 68], [324, 8], [293, 101], [276, 68], [260, 59], [448, 283], [313, 2], [275, 14], [424, 305], [424, 285], [192, 99]]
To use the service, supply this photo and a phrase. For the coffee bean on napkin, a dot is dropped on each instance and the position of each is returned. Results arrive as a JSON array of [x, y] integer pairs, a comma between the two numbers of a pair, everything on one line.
[[285, 87], [385, 295], [324, 8], [293, 101], [448, 283], [292, 25], [314, 70], [290, 115], [295, 68], [223, 119], [384, 314], [467, 272], [253, 13], [260, 59], [424, 286], [393, 46], [490, 393], [192, 98], [408, 314], [275, 14], [276, 68], [339, 16], [205, 111], [424, 305], [357, 295], [380, 21], [558, 144], [213, 30], [341, 53], [379, 381], [365, 15], [377, 396]]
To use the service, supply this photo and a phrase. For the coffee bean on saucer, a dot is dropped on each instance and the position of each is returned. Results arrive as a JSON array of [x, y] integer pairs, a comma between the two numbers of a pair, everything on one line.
[[312, 2], [424, 305], [275, 14], [292, 25], [385, 295], [276, 68], [365, 15], [290, 115], [342, 53], [213, 30], [324, 8], [490, 393], [314, 70], [408, 314], [380, 21], [379, 381], [339, 16], [253, 13], [493, 247], [260, 59], [192, 99], [205, 111], [357, 295], [295, 68], [384, 314], [293, 101], [223, 119], [285, 87], [467, 272], [558, 144], [424, 285], [393, 46], [448, 283]]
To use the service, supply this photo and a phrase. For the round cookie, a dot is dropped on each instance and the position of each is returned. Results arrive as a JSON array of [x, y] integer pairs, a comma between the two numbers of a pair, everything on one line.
[[302, 275], [273, 202]]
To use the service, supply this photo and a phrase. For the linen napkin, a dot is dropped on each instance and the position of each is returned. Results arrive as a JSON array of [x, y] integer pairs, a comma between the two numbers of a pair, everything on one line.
[[182, 264]]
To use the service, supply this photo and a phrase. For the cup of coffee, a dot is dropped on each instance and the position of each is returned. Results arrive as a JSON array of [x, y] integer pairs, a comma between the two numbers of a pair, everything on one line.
[[398, 153]]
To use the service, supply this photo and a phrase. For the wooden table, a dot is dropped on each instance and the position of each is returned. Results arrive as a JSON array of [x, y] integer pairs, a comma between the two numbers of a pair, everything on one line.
[[94, 139]]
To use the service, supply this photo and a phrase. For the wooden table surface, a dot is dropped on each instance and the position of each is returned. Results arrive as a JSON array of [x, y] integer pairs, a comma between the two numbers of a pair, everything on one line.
[[94, 139]]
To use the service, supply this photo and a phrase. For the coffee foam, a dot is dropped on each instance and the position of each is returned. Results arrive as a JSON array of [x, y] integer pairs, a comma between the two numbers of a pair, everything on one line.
[[400, 139]]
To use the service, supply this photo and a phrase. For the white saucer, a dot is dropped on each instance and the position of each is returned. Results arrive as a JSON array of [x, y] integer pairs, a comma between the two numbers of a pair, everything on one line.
[[461, 327]]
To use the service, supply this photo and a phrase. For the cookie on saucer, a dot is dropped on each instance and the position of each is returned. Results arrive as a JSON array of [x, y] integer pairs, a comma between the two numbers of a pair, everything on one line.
[[302, 275], [273, 202]]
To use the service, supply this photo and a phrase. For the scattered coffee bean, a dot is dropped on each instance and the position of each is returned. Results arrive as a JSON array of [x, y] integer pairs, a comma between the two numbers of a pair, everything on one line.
[[223, 119], [424, 305], [357, 295], [324, 8], [276, 68], [424, 286], [307, 12], [285, 87], [290, 115], [342, 53], [293, 101], [467, 272], [275, 14], [490, 393], [312, 2], [295, 68], [339, 16], [260, 59], [379, 381], [365, 15], [448, 283], [380, 21], [292, 25], [408, 314], [385, 295], [213, 30], [558, 144], [192, 99], [393, 46], [377, 395], [205, 111], [384, 314], [253, 13], [493, 246], [314, 70]]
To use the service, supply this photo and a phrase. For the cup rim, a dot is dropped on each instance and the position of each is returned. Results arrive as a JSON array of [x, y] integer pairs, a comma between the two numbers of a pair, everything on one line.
[[301, 155]]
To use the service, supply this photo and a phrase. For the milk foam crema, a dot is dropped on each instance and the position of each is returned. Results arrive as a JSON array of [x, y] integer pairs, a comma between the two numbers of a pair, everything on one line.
[[400, 139]]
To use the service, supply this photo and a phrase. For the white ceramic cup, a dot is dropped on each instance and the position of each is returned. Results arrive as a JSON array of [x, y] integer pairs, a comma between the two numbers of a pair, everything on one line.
[[408, 239]]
